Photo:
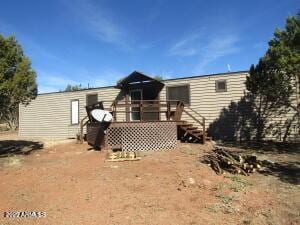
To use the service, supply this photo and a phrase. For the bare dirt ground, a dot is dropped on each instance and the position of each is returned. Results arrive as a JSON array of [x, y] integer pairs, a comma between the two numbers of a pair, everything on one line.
[[74, 185]]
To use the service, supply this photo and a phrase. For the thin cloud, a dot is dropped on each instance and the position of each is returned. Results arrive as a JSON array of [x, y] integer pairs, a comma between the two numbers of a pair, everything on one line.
[[99, 21], [105, 78], [207, 48], [41, 52], [46, 89], [155, 11], [218, 47], [52, 81], [186, 46]]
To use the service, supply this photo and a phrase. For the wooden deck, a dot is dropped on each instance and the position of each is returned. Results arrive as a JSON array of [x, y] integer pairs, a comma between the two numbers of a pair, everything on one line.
[[147, 133]]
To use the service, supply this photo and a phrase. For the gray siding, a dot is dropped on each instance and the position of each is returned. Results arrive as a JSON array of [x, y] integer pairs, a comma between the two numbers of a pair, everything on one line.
[[280, 120], [204, 99], [48, 116]]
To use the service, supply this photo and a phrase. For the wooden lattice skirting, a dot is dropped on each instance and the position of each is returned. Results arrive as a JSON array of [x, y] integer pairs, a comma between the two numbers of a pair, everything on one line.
[[134, 136], [142, 136]]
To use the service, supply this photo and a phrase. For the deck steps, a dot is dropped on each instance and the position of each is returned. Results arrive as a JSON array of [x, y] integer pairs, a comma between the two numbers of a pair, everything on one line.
[[191, 128], [186, 125], [190, 133], [197, 132]]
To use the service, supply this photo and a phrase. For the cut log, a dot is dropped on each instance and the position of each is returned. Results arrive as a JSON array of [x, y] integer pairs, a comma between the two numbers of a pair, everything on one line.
[[221, 159]]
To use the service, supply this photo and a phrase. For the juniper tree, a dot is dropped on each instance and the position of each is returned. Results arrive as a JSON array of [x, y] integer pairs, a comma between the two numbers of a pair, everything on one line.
[[275, 79], [73, 88], [17, 80]]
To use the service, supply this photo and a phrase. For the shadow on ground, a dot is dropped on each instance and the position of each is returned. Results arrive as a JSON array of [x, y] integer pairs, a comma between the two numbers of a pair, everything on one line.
[[266, 147], [18, 147], [288, 172]]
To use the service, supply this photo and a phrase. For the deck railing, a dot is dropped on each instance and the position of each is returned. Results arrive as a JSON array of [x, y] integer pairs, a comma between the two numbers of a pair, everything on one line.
[[201, 122], [82, 124], [162, 110]]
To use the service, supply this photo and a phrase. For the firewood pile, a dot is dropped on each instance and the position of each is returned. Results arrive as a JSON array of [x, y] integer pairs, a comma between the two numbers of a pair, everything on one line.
[[221, 160]]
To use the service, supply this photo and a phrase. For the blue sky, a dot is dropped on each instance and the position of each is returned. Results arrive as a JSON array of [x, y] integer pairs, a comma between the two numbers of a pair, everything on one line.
[[98, 42]]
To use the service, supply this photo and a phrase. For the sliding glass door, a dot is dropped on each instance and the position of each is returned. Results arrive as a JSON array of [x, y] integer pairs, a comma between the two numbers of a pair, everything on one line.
[[135, 98]]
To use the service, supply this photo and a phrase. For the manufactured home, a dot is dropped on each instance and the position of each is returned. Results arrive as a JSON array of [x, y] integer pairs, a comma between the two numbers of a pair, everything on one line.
[[136, 98]]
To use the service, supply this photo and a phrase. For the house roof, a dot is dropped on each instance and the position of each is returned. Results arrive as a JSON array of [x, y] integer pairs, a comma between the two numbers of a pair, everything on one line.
[[208, 75], [137, 77]]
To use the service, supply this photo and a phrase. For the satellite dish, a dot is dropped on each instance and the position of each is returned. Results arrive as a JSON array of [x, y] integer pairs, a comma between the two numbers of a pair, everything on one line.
[[101, 115]]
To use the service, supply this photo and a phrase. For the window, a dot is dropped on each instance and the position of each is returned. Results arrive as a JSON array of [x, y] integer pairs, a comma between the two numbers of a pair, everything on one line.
[[181, 93], [91, 99], [221, 86], [74, 112]]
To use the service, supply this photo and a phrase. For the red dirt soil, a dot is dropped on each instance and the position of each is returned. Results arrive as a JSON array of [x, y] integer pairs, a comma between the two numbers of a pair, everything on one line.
[[76, 186]]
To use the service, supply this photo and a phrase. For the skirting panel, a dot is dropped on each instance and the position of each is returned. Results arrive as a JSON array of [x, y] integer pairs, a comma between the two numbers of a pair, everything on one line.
[[95, 135], [142, 136]]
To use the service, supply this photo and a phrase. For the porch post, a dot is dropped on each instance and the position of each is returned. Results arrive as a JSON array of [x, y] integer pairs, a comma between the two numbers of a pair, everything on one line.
[[127, 108], [204, 131], [141, 112], [168, 110]]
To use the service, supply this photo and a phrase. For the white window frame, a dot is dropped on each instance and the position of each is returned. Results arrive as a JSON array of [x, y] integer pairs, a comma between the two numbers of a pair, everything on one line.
[[74, 109]]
